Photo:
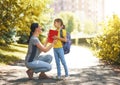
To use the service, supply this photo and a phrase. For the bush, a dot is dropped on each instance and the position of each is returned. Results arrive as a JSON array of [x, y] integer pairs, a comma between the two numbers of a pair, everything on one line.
[[107, 44], [8, 37], [23, 37]]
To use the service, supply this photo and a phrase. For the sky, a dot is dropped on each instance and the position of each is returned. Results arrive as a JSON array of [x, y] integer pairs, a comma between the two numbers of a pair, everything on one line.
[[111, 7]]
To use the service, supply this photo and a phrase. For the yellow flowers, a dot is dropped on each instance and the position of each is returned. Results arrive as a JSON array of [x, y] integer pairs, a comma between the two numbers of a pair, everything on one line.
[[107, 45]]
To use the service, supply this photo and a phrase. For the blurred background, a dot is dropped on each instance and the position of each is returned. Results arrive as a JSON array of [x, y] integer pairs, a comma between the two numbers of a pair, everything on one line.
[[81, 17], [90, 22]]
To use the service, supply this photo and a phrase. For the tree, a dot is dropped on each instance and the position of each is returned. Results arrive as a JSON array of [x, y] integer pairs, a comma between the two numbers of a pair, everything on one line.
[[17, 15], [70, 21], [89, 27]]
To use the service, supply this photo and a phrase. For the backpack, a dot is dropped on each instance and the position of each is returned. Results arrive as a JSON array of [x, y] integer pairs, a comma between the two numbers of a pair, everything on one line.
[[66, 45]]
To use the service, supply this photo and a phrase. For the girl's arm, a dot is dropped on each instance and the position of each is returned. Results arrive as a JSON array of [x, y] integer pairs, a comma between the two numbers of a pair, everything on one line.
[[62, 39]]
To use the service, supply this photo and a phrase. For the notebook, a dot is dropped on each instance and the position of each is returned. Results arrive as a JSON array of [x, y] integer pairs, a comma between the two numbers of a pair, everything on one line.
[[51, 34]]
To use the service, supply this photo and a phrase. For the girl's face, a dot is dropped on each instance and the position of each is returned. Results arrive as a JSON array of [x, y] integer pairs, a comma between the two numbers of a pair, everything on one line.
[[57, 24]]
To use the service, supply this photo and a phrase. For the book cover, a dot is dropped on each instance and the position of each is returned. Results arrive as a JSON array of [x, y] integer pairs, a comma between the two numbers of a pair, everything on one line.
[[51, 34]]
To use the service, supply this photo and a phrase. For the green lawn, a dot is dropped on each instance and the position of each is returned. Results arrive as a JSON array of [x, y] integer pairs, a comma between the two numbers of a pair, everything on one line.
[[12, 53]]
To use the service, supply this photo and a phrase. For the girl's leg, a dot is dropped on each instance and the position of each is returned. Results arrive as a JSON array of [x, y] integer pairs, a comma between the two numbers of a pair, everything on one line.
[[62, 58], [57, 62]]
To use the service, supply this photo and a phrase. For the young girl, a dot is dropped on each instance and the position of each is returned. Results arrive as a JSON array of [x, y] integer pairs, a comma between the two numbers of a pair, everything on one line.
[[58, 49], [34, 61]]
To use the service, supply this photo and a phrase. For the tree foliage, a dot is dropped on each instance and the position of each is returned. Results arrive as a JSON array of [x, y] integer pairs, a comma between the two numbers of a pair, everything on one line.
[[17, 15], [107, 44], [89, 27], [70, 21]]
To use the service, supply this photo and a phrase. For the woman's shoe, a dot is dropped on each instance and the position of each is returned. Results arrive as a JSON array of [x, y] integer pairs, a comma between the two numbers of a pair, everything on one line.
[[44, 76], [30, 73]]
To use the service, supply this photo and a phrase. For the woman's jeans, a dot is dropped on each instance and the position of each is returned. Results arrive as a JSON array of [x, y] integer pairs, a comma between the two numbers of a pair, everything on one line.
[[42, 64], [59, 57]]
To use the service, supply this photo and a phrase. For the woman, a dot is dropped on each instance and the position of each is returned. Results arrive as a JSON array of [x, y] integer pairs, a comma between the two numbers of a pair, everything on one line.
[[58, 49], [34, 61]]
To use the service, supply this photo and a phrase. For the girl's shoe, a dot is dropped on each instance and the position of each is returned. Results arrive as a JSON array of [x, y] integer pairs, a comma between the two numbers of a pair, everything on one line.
[[66, 77], [57, 78]]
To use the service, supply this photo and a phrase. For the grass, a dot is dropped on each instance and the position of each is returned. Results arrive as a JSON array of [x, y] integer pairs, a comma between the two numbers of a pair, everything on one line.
[[12, 53]]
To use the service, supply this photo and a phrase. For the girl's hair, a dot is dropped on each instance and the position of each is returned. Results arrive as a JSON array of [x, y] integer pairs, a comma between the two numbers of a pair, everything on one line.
[[32, 28], [60, 21]]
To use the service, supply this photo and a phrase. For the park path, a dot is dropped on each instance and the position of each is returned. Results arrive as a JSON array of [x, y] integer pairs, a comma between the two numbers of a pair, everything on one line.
[[84, 69]]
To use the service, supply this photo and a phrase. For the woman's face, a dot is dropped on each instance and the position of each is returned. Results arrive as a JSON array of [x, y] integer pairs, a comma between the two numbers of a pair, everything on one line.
[[39, 29]]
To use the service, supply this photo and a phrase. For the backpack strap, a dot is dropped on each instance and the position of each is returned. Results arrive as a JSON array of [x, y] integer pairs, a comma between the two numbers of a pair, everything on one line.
[[61, 33]]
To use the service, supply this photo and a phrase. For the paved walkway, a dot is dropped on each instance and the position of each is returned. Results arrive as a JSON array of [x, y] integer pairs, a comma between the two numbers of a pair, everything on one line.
[[84, 69]]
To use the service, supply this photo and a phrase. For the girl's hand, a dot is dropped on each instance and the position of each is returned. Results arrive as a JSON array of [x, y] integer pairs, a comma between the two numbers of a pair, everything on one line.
[[55, 37], [54, 41]]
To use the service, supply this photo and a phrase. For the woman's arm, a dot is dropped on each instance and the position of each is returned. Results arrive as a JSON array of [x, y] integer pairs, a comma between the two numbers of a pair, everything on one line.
[[44, 48]]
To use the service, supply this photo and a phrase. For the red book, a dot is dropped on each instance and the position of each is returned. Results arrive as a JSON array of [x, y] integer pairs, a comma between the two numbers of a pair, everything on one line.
[[51, 34]]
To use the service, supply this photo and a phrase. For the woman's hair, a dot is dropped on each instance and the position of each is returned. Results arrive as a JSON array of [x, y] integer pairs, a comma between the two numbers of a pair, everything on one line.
[[60, 21], [32, 28]]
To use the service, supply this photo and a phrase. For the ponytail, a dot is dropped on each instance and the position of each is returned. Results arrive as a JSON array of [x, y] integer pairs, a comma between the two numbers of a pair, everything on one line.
[[63, 26], [32, 28], [29, 37]]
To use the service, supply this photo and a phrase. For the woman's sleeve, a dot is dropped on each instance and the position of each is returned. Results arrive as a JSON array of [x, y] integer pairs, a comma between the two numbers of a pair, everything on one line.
[[36, 41]]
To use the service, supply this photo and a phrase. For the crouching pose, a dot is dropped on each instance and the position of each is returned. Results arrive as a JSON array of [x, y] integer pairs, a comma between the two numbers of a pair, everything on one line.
[[34, 61]]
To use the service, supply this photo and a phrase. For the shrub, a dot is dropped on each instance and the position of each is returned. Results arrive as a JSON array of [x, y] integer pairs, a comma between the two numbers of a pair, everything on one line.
[[107, 44], [7, 37], [23, 37]]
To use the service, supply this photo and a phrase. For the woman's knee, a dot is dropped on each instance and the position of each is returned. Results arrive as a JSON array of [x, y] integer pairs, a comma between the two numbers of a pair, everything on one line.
[[50, 67], [49, 57]]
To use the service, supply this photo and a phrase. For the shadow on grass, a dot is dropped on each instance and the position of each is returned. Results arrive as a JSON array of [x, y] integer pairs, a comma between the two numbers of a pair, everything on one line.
[[9, 49], [19, 63], [21, 45], [8, 59]]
